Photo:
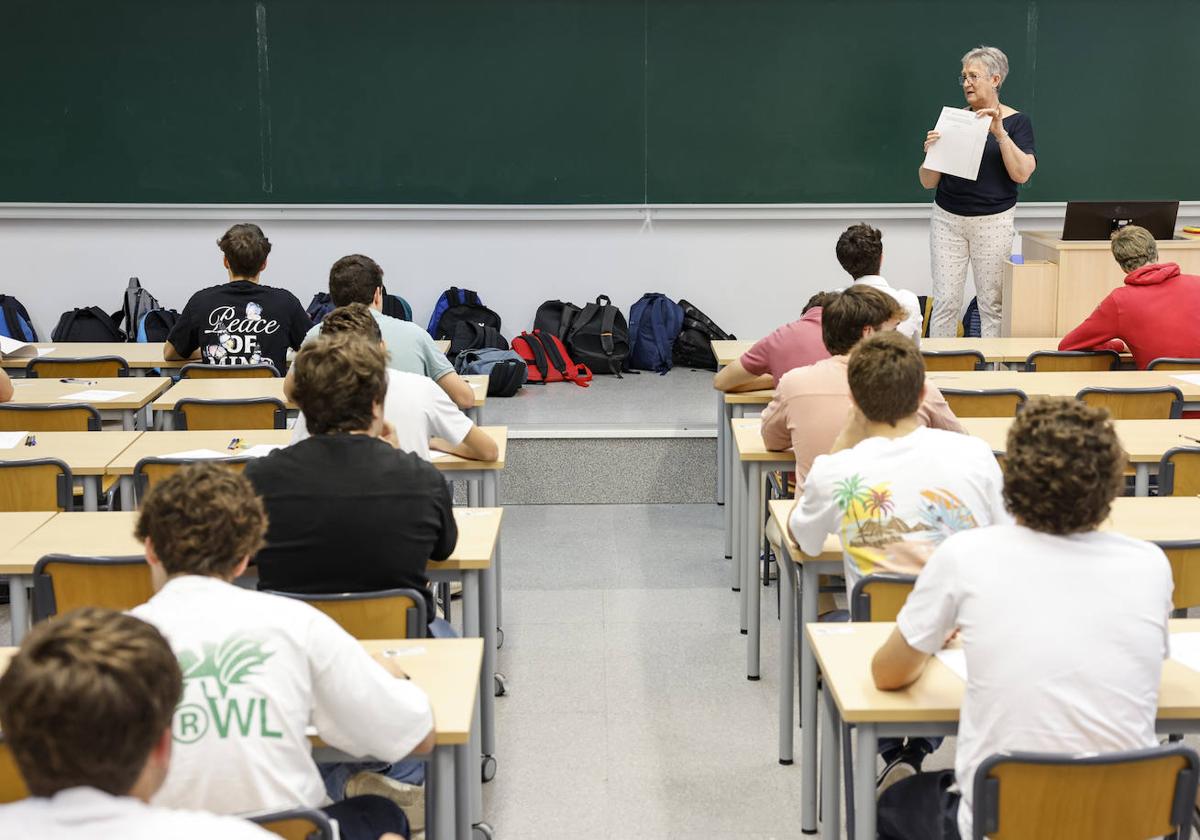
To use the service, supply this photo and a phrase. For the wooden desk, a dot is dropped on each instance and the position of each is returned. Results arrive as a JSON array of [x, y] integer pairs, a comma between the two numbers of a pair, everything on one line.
[[1004, 350], [88, 454], [930, 706], [725, 353], [219, 389], [140, 357], [479, 386], [15, 527], [136, 392], [442, 344], [1064, 384], [728, 352]]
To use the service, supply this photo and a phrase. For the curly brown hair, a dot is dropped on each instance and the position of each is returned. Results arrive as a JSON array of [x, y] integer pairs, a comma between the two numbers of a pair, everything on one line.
[[860, 250], [354, 319], [1064, 466], [86, 699], [246, 248], [886, 374], [337, 381], [819, 299], [203, 520]]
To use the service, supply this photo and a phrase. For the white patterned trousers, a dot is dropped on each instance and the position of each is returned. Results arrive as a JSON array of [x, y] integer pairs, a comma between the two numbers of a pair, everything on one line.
[[984, 241]]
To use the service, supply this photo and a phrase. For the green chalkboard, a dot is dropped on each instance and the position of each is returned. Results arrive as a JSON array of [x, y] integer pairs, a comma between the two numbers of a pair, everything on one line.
[[575, 101]]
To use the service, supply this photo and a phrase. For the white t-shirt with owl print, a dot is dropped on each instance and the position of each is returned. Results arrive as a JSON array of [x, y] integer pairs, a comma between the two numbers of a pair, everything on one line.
[[894, 500], [241, 323]]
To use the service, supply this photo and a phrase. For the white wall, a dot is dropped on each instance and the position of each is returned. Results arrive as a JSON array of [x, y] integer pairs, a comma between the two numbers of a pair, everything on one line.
[[747, 272]]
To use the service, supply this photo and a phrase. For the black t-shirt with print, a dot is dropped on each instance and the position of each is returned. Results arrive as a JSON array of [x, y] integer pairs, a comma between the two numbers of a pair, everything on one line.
[[241, 323]]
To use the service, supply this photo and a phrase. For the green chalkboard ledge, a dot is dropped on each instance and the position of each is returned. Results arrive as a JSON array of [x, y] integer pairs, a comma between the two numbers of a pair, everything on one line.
[[643, 213]]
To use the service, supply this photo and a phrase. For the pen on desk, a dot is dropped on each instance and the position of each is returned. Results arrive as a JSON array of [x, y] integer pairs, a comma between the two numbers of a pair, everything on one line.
[[31, 440], [1189, 437], [78, 381], [235, 443]]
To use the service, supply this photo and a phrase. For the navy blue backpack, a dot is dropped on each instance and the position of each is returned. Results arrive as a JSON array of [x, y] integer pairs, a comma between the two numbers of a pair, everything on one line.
[[15, 321], [456, 305], [320, 306], [654, 324]]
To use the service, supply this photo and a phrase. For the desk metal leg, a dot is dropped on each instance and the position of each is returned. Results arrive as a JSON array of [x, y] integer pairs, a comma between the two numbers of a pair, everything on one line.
[[91, 492], [128, 502], [1141, 480], [721, 460], [473, 493], [809, 585], [127, 419], [20, 588], [787, 656], [731, 478], [491, 481], [441, 784], [831, 769], [487, 621], [738, 477], [864, 781], [464, 768], [751, 517]]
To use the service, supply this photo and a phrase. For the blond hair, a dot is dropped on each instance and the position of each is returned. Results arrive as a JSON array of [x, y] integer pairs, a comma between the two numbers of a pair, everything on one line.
[[1134, 247]]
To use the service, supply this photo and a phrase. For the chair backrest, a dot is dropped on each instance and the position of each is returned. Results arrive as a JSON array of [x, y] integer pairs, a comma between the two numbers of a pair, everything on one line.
[[62, 583], [60, 417], [12, 784], [992, 402], [37, 484], [953, 360], [257, 413], [99, 366], [296, 824], [1184, 557], [196, 370], [879, 597], [1179, 472], [1038, 796], [1160, 403], [149, 471], [384, 614], [1044, 361], [1169, 363]]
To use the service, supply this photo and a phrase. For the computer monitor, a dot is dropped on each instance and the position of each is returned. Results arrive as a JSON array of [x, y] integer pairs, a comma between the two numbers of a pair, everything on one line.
[[1101, 219]]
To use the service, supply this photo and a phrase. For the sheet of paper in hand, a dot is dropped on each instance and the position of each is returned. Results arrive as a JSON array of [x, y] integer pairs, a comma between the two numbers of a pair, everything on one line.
[[959, 149]]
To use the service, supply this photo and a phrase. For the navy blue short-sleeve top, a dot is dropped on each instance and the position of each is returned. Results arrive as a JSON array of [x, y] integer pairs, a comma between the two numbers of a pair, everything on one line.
[[993, 191]]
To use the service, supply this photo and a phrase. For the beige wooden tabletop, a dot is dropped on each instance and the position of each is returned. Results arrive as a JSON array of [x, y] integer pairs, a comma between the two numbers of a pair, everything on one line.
[[446, 669], [478, 530], [222, 389], [750, 397], [103, 534], [844, 654], [442, 344], [1144, 440], [453, 463], [747, 438], [15, 527], [159, 444], [1063, 384], [137, 355], [1006, 349], [728, 352], [136, 391], [86, 453], [479, 386]]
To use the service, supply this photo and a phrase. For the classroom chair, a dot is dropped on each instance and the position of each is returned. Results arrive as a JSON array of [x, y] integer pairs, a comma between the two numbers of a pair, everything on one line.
[[1038, 796], [296, 824], [1184, 557], [1163, 402], [985, 402], [149, 471], [59, 417], [12, 785], [953, 360], [1168, 363], [256, 413], [1044, 361], [63, 582], [197, 370], [1179, 472], [383, 614], [38, 484], [96, 366]]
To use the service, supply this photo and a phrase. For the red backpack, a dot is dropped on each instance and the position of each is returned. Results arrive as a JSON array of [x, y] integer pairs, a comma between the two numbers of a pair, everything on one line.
[[547, 359]]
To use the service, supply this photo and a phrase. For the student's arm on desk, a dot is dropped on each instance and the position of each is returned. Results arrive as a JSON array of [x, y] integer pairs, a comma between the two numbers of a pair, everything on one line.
[[776, 434], [476, 446], [816, 514], [1098, 331], [457, 389], [897, 664], [6, 386], [448, 535], [173, 355], [393, 668], [733, 378]]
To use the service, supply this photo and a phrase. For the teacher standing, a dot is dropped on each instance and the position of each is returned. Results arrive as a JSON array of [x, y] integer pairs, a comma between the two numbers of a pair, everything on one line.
[[973, 220]]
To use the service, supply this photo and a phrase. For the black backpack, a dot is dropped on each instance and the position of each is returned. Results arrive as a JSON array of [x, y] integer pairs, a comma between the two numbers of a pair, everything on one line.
[[692, 348], [457, 305], [599, 337], [505, 370], [89, 324], [156, 325], [555, 317], [471, 336], [15, 321], [320, 306], [395, 306]]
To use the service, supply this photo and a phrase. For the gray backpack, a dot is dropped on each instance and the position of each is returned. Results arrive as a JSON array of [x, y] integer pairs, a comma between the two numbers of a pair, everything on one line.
[[505, 370]]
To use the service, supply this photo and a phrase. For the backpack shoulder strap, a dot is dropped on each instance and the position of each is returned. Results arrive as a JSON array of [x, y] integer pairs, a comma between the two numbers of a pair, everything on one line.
[[534, 342], [553, 356]]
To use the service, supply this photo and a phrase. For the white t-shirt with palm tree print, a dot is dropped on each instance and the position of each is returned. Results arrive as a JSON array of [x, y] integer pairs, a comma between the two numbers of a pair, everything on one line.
[[894, 500]]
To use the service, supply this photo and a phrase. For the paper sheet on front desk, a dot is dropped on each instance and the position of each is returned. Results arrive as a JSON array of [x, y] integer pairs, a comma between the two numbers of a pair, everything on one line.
[[198, 454], [8, 440], [12, 347], [955, 659], [258, 450], [94, 395], [960, 148], [1190, 378], [1185, 649]]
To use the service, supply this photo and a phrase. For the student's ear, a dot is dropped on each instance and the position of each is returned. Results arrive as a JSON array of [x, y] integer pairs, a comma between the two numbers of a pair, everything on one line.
[[377, 301], [151, 554], [262, 267], [158, 575], [868, 331], [921, 398], [240, 568], [225, 260]]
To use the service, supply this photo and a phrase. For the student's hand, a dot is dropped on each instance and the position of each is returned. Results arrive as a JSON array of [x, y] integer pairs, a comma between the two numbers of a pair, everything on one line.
[[390, 665], [388, 432], [390, 836], [931, 137]]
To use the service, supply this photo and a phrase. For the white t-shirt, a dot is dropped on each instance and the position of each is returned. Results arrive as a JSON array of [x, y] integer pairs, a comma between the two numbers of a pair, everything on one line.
[[85, 813], [1064, 639], [257, 669], [419, 409], [893, 500], [911, 326]]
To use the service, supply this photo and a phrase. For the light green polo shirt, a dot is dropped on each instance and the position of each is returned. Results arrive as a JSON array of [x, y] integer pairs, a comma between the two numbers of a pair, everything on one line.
[[409, 347]]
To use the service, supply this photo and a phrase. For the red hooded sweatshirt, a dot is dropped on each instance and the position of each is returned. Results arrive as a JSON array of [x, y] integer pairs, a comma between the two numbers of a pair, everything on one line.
[[1156, 313]]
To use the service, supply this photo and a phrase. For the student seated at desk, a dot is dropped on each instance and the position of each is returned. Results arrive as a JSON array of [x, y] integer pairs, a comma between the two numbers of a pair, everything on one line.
[[860, 252], [414, 406], [6, 386], [791, 346], [359, 279], [1153, 313], [258, 669], [86, 707], [893, 489], [240, 322], [1064, 627]]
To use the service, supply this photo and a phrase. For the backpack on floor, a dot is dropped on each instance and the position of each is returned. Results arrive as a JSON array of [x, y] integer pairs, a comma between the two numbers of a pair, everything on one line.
[[395, 306], [555, 316], [457, 305], [156, 325], [88, 324], [971, 325], [548, 361], [15, 321], [320, 306], [654, 324], [599, 336], [505, 370], [471, 336], [134, 307], [693, 348]]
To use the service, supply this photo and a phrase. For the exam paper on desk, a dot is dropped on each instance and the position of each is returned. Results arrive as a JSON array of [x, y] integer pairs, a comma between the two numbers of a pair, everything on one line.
[[94, 395], [959, 149], [8, 440], [1185, 649], [955, 659]]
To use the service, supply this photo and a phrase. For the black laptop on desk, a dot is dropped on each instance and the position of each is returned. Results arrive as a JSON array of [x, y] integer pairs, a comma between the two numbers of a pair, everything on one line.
[[1099, 220]]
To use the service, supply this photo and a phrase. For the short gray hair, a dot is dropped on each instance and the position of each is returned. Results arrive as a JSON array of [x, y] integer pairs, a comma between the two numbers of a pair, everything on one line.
[[993, 59]]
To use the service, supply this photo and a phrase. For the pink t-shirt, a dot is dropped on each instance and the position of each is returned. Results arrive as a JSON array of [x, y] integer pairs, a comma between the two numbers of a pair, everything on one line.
[[791, 346], [810, 409]]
